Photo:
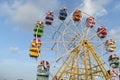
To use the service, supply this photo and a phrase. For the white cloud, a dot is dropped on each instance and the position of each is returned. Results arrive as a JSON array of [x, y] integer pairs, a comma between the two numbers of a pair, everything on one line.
[[115, 34], [25, 14], [13, 49], [94, 7]]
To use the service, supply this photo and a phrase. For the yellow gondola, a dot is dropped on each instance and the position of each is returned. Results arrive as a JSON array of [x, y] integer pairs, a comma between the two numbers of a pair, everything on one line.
[[34, 52], [36, 42], [35, 48]]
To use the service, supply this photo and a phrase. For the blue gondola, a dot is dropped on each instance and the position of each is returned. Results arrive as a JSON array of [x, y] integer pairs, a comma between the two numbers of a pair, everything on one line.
[[63, 13]]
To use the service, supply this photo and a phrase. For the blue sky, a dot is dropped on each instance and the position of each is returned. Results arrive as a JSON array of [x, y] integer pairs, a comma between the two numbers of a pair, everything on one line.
[[17, 18]]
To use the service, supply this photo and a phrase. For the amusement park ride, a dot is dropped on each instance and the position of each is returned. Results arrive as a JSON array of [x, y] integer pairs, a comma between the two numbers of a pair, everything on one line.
[[79, 41]]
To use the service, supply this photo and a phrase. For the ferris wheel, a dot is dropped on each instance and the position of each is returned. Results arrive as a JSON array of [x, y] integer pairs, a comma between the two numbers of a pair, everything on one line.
[[79, 46]]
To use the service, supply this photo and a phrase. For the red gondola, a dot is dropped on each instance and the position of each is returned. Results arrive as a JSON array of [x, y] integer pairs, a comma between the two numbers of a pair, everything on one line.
[[101, 32]]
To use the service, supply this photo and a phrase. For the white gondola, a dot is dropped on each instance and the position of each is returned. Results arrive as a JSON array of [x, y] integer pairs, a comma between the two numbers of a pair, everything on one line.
[[110, 45], [90, 22], [43, 70], [114, 61]]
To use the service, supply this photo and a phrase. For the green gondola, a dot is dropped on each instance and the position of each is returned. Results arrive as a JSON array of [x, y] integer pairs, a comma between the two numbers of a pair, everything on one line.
[[38, 29], [38, 32]]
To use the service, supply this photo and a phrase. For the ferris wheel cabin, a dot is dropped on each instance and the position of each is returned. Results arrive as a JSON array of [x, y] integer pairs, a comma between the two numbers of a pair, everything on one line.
[[114, 61], [102, 32], [43, 70], [49, 18], [90, 22], [110, 45], [62, 13], [77, 15], [38, 29]]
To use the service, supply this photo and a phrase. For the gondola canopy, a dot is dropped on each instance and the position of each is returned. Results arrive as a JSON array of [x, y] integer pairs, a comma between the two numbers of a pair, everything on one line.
[[36, 42], [44, 63]]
